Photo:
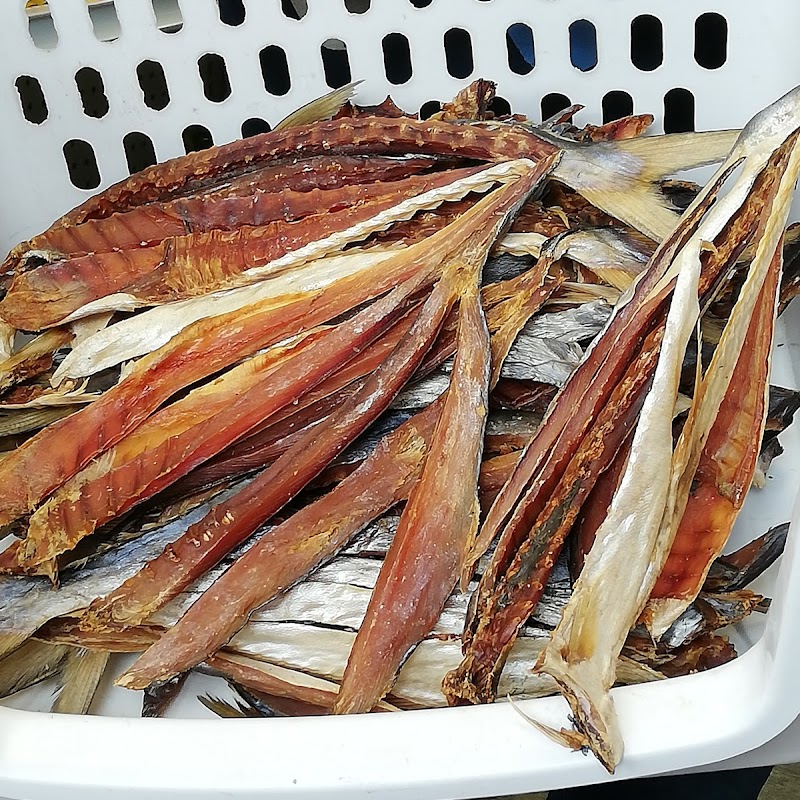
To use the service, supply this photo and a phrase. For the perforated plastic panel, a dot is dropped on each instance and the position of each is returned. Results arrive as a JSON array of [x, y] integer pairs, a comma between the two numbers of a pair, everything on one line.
[[108, 87]]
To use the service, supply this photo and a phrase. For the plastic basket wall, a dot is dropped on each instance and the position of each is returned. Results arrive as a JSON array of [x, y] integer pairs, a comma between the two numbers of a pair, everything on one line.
[[92, 92]]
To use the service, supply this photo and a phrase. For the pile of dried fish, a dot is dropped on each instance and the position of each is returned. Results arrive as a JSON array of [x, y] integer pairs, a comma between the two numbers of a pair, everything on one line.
[[286, 394]]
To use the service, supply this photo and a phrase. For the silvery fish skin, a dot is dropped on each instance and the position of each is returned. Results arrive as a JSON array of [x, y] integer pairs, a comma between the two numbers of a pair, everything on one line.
[[366, 443], [542, 360], [423, 392], [324, 651], [27, 603], [546, 351], [577, 324], [337, 594]]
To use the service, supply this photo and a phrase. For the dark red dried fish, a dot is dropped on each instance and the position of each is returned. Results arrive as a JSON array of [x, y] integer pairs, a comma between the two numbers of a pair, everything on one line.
[[189, 264]]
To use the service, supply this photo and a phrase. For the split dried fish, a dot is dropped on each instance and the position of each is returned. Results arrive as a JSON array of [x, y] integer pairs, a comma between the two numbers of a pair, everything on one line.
[[277, 484], [585, 669]]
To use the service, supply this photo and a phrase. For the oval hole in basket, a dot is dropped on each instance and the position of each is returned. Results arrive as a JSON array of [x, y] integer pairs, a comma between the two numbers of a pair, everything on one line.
[[231, 12], [196, 137], [214, 74], [396, 58], [31, 99], [275, 70], [499, 106], [105, 22], [583, 45], [420, 3], [41, 27], [254, 126], [153, 84], [711, 40], [93, 93], [519, 45], [357, 6], [168, 14], [81, 164], [617, 105], [678, 111], [553, 103], [647, 43], [429, 108], [294, 9], [458, 52], [139, 151], [335, 63]]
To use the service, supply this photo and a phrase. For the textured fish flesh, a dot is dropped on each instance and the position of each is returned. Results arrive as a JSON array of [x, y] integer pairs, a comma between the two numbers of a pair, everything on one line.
[[200, 261]]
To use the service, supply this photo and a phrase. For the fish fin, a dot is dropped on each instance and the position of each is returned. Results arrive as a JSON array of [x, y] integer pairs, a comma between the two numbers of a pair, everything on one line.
[[639, 205], [592, 706], [226, 710], [574, 740], [33, 662], [665, 155], [9, 642], [320, 109], [81, 677]]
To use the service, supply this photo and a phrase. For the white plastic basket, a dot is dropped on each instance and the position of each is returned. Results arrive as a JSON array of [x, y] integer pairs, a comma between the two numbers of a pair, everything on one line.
[[463, 752]]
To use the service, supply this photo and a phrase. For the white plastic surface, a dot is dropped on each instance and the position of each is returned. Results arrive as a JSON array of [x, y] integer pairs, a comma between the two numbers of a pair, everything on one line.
[[463, 752]]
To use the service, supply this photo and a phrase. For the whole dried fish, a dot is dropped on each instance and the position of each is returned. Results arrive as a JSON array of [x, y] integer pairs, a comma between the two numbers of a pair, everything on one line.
[[724, 471]]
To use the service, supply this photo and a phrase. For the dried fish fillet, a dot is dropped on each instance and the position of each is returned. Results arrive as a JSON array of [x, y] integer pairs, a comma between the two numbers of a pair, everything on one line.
[[436, 529], [206, 257], [31, 472], [724, 470], [143, 333], [32, 359], [480, 182]]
